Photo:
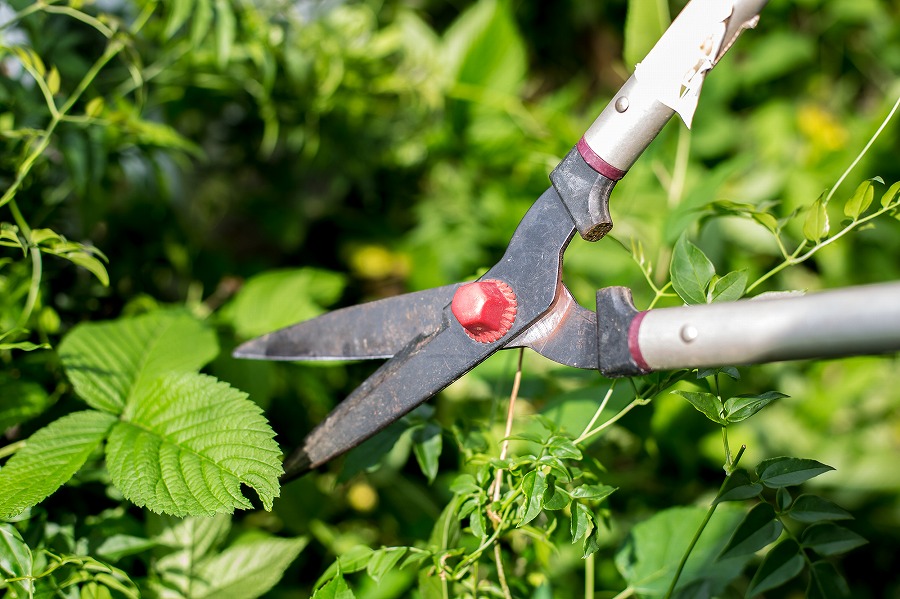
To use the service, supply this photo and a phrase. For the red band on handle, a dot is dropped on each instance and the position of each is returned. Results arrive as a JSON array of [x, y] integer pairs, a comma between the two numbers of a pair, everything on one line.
[[597, 163], [633, 345]]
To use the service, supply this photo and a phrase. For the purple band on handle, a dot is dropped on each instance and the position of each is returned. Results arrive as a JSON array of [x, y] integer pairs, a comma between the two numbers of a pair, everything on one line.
[[597, 163], [633, 345]]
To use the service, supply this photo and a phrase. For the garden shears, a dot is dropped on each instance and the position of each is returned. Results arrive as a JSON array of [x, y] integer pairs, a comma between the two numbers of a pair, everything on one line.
[[431, 338]]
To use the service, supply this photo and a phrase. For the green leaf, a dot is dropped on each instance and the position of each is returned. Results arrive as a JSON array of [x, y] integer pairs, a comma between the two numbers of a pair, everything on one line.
[[108, 362], [783, 499], [187, 540], [645, 22], [730, 371], [534, 485], [554, 497], [427, 445], [787, 471], [826, 583], [477, 524], [247, 568], [484, 48], [738, 487], [860, 201], [705, 403], [50, 457], [827, 538], [225, 30], [812, 508], [582, 521], [186, 444], [780, 565], [651, 553], [16, 561], [816, 226], [21, 401], [592, 492], [744, 406], [354, 560], [563, 448], [730, 287], [89, 263], [279, 298], [592, 543], [335, 589], [758, 528], [464, 484], [691, 271], [117, 546], [890, 194], [383, 561]]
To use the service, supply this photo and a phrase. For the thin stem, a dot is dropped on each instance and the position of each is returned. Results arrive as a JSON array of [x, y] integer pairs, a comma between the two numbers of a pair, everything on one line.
[[36, 266], [690, 548], [638, 401], [628, 592], [865, 149], [510, 412], [589, 567], [501, 574], [599, 411], [11, 448], [81, 16]]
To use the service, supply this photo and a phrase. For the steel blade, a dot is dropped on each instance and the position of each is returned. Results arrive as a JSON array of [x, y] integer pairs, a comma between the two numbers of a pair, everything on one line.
[[373, 330]]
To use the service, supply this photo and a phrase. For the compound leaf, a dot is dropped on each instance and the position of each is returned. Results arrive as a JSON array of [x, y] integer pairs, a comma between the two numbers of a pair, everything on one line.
[[50, 457], [107, 362], [187, 442], [780, 565]]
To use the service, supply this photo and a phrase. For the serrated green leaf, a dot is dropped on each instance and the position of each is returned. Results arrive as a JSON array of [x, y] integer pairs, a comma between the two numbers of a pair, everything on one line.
[[816, 226], [691, 271], [780, 565], [592, 492], [758, 528], [729, 288], [860, 201], [187, 442], [383, 561], [827, 538], [812, 508], [890, 194], [534, 485], [335, 589], [563, 448], [786, 471], [107, 362], [50, 457], [427, 445], [705, 403], [16, 561], [246, 569], [825, 582], [582, 521], [738, 487], [279, 298], [744, 406]]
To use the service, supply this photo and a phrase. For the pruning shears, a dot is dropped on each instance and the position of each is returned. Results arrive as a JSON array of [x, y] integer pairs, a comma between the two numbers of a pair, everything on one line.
[[431, 338]]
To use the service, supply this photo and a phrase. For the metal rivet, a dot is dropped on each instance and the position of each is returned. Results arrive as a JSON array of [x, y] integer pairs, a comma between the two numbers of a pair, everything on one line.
[[689, 333], [622, 104]]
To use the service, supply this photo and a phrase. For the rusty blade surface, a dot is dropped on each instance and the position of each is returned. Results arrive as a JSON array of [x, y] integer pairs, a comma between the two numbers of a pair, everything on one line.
[[373, 330], [531, 266]]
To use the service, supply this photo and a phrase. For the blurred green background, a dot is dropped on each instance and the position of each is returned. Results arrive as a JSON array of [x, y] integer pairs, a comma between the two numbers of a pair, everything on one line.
[[262, 162]]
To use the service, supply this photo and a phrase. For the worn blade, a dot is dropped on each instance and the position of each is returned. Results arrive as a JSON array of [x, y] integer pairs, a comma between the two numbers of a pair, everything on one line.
[[377, 329], [531, 266]]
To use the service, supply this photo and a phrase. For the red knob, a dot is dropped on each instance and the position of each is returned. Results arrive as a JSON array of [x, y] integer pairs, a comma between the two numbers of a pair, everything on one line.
[[486, 309]]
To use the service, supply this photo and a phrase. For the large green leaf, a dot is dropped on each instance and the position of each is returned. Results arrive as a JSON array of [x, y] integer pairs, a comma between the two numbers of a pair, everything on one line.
[[107, 362], [50, 458], [652, 551], [187, 442], [280, 298]]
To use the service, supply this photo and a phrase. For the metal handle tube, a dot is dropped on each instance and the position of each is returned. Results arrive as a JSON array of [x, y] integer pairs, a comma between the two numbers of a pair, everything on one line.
[[851, 321]]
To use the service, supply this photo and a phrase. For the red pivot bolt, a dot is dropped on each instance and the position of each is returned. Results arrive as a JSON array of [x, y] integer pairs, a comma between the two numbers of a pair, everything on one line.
[[486, 309]]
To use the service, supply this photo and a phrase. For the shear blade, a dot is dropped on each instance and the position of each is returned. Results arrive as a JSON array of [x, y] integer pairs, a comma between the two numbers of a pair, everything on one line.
[[378, 329]]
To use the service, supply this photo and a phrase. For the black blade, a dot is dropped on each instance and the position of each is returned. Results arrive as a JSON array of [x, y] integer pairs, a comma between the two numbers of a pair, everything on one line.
[[531, 266], [372, 330]]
